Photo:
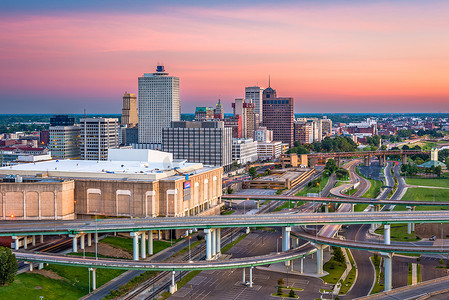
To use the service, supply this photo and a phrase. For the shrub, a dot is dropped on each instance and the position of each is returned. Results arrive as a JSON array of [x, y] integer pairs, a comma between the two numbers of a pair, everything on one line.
[[292, 294]]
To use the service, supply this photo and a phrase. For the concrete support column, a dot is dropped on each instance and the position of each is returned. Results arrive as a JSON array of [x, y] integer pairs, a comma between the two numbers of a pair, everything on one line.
[[159, 235], [42, 238], [302, 265], [25, 242], [214, 242], [388, 266], [82, 241], [143, 251], [16, 243], [326, 207], [248, 230], [387, 234], [208, 233], [33, 240], [40, 266], [319, 258], [94, 279], [173, 286], [251, 277], [75, 244], [30, 263], [89, 239], [96, 237], [218, 241], [413, 224], [286, 238], [258, 204], [244, 277], [150, 242], [135, 236], [372, 209]]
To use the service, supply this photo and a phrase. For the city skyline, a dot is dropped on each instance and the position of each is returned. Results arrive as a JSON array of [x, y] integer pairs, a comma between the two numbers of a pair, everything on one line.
[[338, 56]]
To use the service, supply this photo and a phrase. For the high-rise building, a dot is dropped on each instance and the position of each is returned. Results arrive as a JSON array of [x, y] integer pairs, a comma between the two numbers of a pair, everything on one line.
[[207, 142], [204, 113], [64, 137], [303, 132], [159, 104], [97, 136], [129, 110], [326, 126], [245, 108], [263, 135], [278, 116], [218, 111], [64, 142], [255, 93]]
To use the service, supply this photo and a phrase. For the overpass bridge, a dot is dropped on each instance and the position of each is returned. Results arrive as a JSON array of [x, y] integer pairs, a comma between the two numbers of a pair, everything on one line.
[[350, 200]]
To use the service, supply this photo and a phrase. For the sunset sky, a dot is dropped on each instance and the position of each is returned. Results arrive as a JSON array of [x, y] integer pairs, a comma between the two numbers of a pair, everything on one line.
[[331, 56]]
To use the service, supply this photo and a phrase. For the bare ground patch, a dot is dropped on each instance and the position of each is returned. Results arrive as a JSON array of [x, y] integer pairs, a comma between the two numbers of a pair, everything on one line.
[[49, 274]]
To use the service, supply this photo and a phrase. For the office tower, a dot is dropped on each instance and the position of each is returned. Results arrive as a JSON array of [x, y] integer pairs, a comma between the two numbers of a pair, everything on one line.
[[326, 126], [204, 113], [303, 132], [255, 93], [235, 123], [44, 137], [245, 109], [97, 136], [278, 116], [207, 142], [218, 111], [64, 140], [129, 110], [244, 151], [159, 104]]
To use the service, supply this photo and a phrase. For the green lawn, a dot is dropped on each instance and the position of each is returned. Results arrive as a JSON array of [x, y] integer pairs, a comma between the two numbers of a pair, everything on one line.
[[335, 270], [229, 212], [374, 189], [440, 182], [399, 233], [349, 281], [31, 286], [315, 189], [230, 245], [425, 194], [379, 283], [78, 277], [126, 244], [360, 207]]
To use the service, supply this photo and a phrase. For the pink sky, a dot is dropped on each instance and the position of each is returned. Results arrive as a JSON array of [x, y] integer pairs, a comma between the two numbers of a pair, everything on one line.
[[382, 57]]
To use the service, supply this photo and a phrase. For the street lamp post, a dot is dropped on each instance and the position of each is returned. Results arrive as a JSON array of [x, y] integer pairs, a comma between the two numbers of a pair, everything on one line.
[[190, 259]]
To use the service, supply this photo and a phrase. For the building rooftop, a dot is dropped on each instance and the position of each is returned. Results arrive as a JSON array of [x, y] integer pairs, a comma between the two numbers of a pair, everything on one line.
[[138, 164]]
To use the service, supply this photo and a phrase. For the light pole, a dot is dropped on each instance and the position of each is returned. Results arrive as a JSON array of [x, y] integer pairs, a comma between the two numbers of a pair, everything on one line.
[[277, 244], [96, 236]]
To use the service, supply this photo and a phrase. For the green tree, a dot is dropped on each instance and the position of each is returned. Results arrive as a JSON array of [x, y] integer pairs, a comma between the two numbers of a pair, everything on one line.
[[8, 266], [291, 294], [338, 255], [252, 172], [341, 173], [281, 281], [279, 292], [331, 166]]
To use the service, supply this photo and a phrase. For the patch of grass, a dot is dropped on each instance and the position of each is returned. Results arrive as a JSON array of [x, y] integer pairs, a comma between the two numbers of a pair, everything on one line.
[[440, 182], [235, 242], [349, 281], [286, 204], [399, 233], [378, 284], [130, 285], [425, 194], [360, 207], [374, 189], [409, 276], [186, 249], [284, 295], [335, 270], [78, 277], [126, 244], [419, 273], [315, 189], [31, 286], [350, 192], [229, 212]]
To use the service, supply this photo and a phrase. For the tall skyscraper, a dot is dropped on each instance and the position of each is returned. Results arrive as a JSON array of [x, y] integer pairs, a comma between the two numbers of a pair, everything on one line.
[[245, 109], [278, 116], [255, 93], [64, 141], [159, 104], [218, 111], [129, 110], [97, 136], [207, 142]]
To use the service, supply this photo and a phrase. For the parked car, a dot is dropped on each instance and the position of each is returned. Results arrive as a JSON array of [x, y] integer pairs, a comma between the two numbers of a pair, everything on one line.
[[433, 238]]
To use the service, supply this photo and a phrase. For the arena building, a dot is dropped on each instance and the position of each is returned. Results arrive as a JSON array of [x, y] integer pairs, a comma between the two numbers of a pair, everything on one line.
[[132, 183]]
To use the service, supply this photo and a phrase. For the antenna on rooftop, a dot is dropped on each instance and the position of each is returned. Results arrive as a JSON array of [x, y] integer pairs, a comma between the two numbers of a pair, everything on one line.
[[269, 80], [84, 112]]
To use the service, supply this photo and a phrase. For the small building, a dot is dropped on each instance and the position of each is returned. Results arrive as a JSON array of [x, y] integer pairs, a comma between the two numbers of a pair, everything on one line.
[[244, 151], [269, 150]]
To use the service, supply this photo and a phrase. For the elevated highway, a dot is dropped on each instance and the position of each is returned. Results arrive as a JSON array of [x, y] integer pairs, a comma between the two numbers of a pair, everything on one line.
[[274, 220], [348, 199]]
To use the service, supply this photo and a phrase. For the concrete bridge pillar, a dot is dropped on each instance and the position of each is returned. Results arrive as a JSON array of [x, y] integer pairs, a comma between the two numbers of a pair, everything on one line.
[[135, 236], [96, 237], [25, 242], [150, 242], [33, 240], [214, 242], [143, 251], [319, 258], [42, 238], [388, 267], [218, 241], [301, 270], [387, 234], [409, 225], [75, 243], [30, 263], [89, 239], [367, 160], [250, 276], [286, 238], [208, 233], [173, 286], [94, 278], [82, 241], [243, 276], [373, 225], [326, 207]]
